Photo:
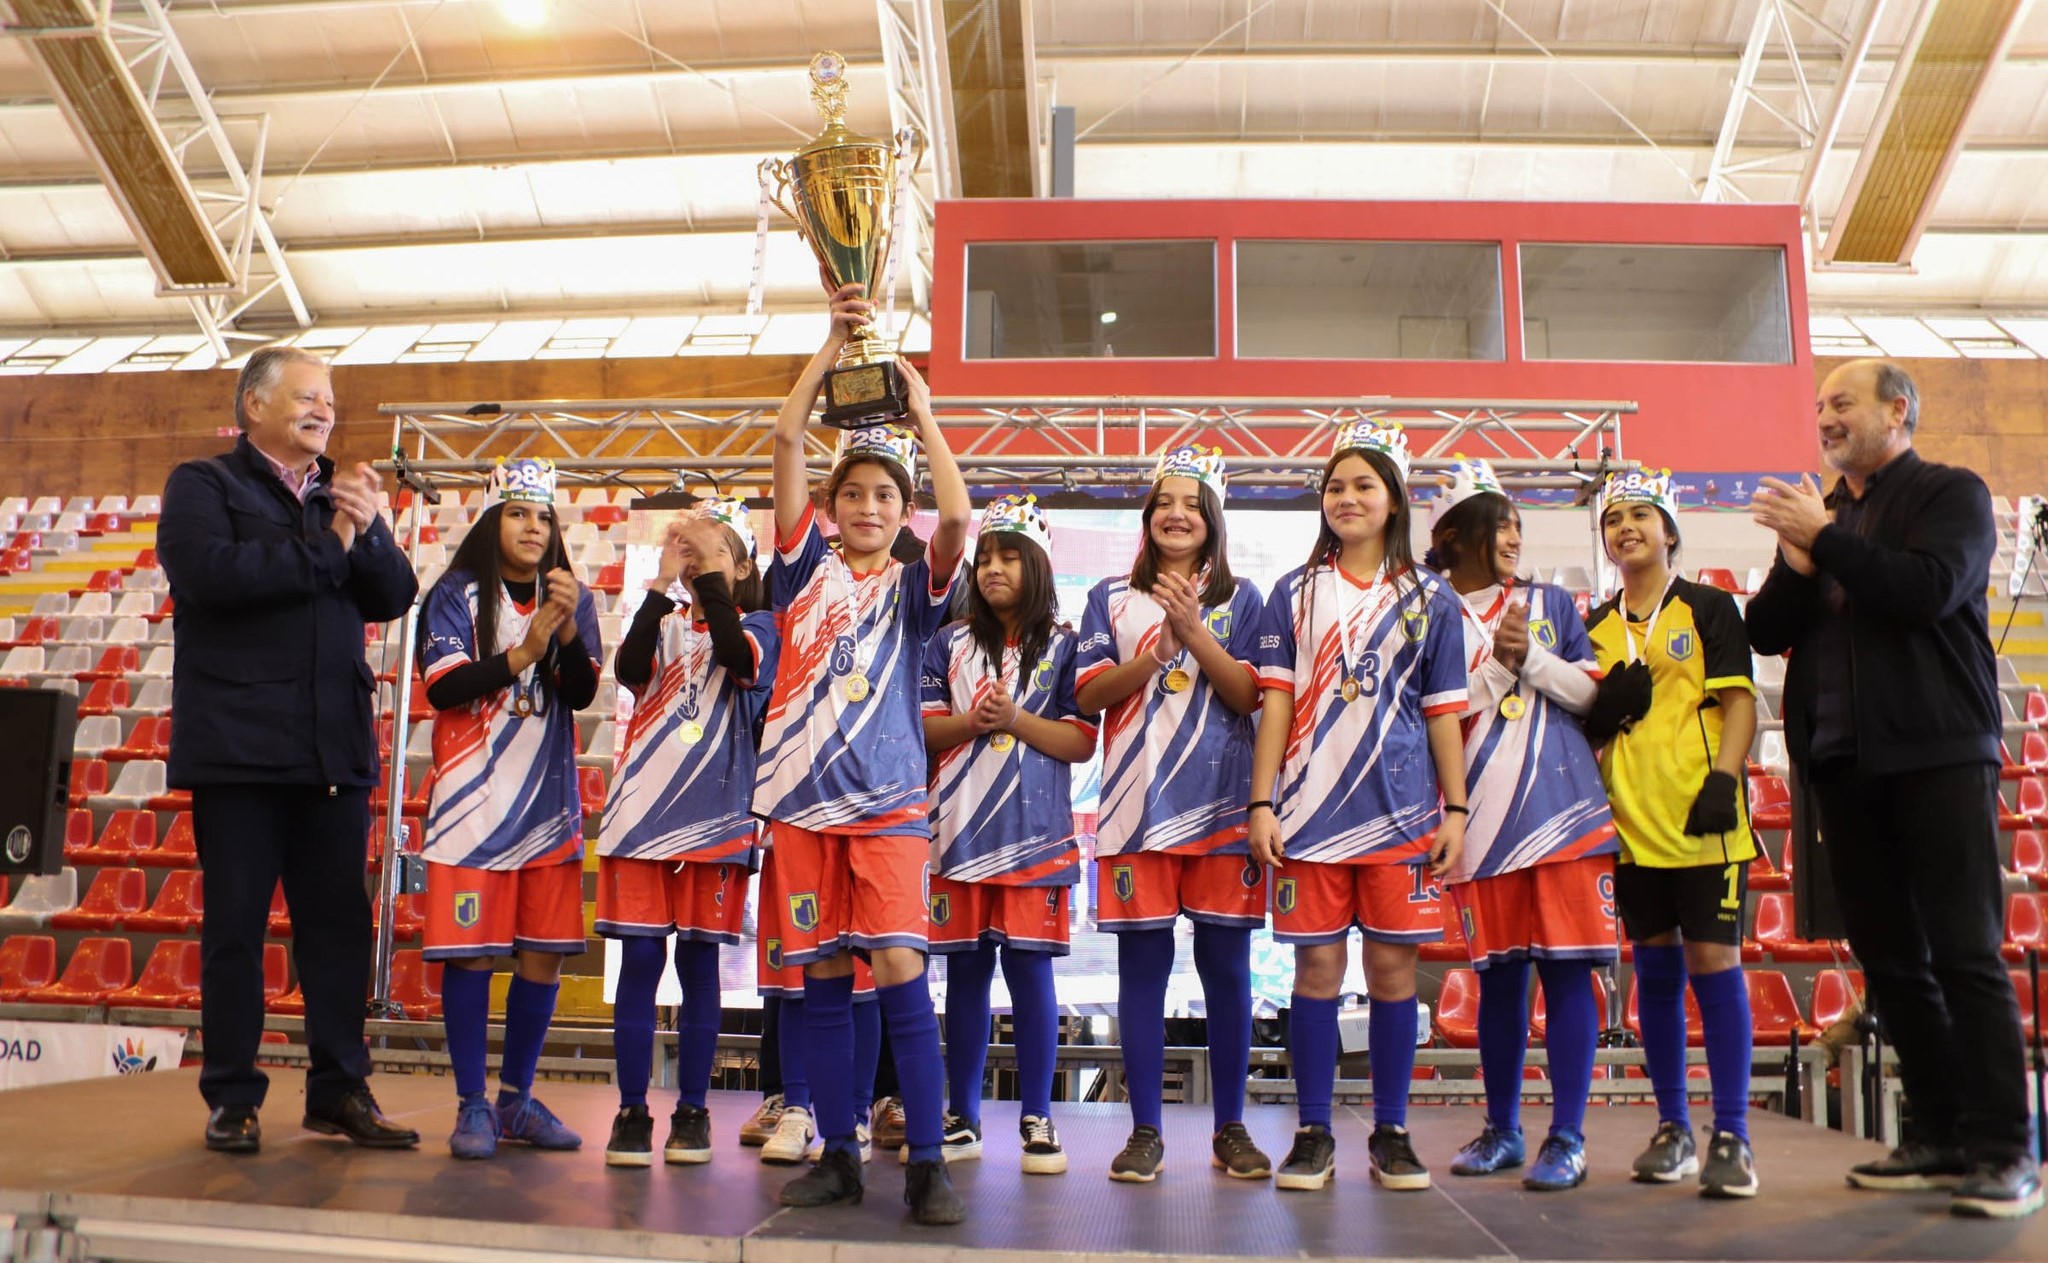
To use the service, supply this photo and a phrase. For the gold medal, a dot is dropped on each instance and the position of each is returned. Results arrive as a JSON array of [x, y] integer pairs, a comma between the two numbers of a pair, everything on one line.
[[1512, 707], [690, 733], [522, 706], [856, 688], [1177, 680], [1349, 691], [1002, 743]]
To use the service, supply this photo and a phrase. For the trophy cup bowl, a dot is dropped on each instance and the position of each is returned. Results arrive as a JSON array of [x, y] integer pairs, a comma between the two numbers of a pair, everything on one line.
[[840, 190]]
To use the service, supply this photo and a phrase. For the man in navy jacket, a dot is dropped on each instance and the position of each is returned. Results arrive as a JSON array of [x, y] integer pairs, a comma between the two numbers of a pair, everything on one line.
[[276, 561], [1891, 715]]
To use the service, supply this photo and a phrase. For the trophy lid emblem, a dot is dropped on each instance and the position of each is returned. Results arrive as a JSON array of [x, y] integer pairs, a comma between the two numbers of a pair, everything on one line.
[[828, 89]]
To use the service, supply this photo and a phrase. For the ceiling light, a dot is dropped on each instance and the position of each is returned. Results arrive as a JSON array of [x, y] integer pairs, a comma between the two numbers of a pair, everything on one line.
[[1109, 317], [527, 13]]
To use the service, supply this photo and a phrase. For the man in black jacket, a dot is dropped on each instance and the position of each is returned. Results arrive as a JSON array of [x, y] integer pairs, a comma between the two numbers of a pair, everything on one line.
[[1891, 715], [275, 563]]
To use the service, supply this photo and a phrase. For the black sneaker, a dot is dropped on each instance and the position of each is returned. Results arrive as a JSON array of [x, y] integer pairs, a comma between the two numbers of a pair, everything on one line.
[[1143, 1158], [928, 1191], [1670, 1158], [632, 1142], [1730, 1170], [1999, 1190], [834, 1177], [961, 1142], [1912, 1167], [1390, 1156], [1232, 1152], [689, 1136], [1312, 1162], [1041, 1140]]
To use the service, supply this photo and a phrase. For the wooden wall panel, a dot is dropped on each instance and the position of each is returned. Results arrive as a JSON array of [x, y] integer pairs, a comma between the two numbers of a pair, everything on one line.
[[1988, 415], [124, 432]]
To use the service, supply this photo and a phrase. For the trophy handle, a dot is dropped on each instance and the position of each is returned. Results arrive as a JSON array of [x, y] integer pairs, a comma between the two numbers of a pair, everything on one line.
[[910, 146], [774, 174]]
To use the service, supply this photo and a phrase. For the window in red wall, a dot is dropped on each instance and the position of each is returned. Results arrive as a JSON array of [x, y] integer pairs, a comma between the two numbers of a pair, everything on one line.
[[1368, 300], [1090, 300], [1689, 304]]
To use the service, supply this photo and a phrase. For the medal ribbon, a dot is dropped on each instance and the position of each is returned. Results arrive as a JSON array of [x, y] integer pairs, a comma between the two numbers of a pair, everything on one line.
[[697, 652], [864, 646], [1649, 628], [1361, 609]]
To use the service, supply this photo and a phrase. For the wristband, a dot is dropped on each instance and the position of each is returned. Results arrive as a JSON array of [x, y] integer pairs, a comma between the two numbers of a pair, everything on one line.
[[1154, 651], [1460, 808], [1257, 803]]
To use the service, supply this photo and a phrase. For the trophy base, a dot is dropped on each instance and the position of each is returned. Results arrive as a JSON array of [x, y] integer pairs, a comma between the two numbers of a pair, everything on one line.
[[865, 394]]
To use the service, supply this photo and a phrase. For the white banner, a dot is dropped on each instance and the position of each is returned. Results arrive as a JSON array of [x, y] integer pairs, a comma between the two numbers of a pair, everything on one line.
[[56, 1052]]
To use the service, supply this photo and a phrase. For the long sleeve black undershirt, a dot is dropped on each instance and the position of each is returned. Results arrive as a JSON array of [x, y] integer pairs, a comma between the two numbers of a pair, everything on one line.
[[721, 614], [575, 681]]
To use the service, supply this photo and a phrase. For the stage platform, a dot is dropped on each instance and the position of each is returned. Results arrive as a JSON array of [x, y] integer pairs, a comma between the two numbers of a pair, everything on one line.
[[118, 1164]]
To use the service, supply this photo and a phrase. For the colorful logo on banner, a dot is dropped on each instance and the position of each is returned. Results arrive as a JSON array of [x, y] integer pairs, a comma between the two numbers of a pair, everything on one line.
[[131, 1057]]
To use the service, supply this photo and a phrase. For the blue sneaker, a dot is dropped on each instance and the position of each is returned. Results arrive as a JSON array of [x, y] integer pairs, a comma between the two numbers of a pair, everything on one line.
[[476, 1129], [1560, 1164], [1496, 1149], [524, 1118]]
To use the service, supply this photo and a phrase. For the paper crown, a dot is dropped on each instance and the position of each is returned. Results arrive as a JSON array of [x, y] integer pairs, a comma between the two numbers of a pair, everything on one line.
[[1018, 515], [1642, 486], [729, 512], [529, 478], [1389, 440], [890, 442], [1469, 477], [1205, 467]]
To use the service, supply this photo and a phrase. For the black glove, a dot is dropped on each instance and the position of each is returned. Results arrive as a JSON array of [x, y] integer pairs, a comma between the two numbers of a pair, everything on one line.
[[1624, 697], [1713, 809]]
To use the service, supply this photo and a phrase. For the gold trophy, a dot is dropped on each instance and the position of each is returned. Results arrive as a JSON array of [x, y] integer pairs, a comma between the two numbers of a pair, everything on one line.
[[841, 191]]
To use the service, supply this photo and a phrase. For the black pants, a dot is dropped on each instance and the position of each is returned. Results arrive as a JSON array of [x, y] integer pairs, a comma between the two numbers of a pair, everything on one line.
[[1916, 871], [250, 836]]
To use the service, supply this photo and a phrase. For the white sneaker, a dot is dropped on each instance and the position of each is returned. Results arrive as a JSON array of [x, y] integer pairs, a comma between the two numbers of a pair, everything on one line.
[[866, 1139], [1042, 1152], [795, 1138]]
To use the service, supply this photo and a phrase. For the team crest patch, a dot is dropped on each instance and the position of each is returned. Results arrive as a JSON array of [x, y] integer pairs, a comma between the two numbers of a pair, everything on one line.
[[1415, 625], [1219, 622], [1543, 632], [1041, 678], [1678, 644], [803, 911], [942, 908], [774, 953], [1123, 881], [468, 908], [1466, 923], [1284, 897]]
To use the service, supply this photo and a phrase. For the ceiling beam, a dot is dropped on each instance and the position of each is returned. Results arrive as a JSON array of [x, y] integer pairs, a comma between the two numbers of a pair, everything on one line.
[[988, 47], [1724, 56]]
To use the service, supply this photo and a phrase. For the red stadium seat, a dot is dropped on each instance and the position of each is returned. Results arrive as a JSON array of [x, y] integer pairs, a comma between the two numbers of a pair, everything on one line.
[[2026, 925], [88, 777], [416, 985], [1539, 1018], [1775, 933], [610, 578], [1452, 948], [605, 516], [115, 662], [280, 915], [1770, 802], [2031, 808], [289, 1004], [15, 561], [2034, 751], [590, 785], [179, 908], [277, 960], [149, 739], [1834, 990], [170, 979], [407, 921], [77, 832], [1457, 1009], [144, 560], [163, 612], [2030, 858], [27, 961], [103, 697], [1695, 1030], [2036, 711], [1764, 875], [127, 835], [98, 967], [1773, 1009], [116, 894], [1722, 578], [179, 849]]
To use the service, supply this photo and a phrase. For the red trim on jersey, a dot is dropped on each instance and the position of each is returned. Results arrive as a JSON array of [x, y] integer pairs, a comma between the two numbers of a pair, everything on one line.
[[801, 528], [1091, 731], [1447, 708]]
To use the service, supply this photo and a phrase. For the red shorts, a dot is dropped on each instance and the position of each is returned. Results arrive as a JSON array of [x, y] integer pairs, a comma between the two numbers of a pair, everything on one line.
[[1562, 911], [1146, 890], [495, 912], [1031, 918], [775, 976], [850, 891], [636, 898], [1389, 903]]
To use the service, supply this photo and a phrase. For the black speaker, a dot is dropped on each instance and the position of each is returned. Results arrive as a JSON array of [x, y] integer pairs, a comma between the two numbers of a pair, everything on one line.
[[38, 729]]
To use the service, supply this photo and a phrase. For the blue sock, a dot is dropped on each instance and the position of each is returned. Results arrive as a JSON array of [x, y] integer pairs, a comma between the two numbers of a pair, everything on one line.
[[1144, 959], [1503, 1039], [466, 1017], [697, 1026], [1660, 1011], [792, 1037], [640, 962], [828, 1043], [1312, 1043], [1036, 1015], [867, 1055], [914, 1036], [1724, 1014], [1391, 1027], [968, 976], [1223, 959], [1572, 1032], [529, 1007]]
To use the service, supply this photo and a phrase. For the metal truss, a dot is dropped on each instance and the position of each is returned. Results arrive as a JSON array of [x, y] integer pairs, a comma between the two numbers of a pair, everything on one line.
[[1056, 444], [1797, 98], [177, 106]]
